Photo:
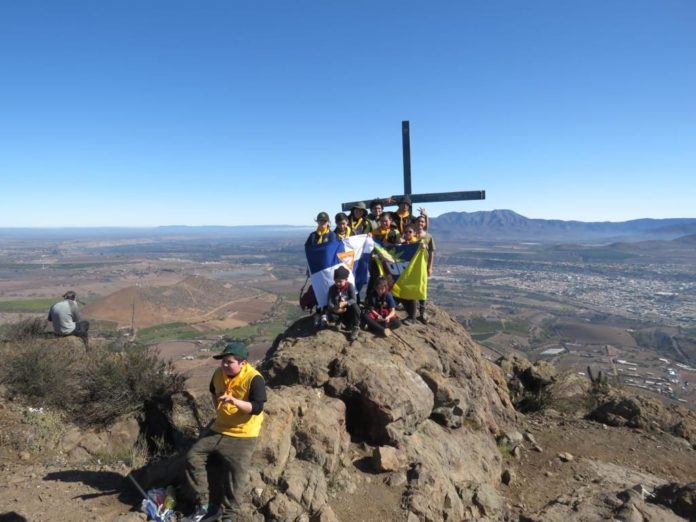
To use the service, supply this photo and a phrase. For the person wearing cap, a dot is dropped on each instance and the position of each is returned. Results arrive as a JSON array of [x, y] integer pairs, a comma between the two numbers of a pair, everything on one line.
[[343, 302], [403, 214], [238, 393], [66, 319], [358, 221], [342, 229], [323, 234]]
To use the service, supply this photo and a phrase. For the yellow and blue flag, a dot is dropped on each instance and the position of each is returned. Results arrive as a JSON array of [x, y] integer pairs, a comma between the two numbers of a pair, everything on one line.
[[408, 267]]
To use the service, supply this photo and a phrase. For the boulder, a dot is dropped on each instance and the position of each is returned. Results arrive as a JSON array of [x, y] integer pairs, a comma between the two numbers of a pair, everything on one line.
[[680, 498]]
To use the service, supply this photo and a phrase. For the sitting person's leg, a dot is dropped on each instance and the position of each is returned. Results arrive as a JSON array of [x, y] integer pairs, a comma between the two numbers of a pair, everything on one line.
[[394, 323], [374, 324]]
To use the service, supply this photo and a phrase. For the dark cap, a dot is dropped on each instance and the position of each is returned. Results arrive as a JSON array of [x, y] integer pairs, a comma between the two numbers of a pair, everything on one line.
[[360, 205], [341, 273], [405, 199], [341, 216], [322, 216], [237, 349]]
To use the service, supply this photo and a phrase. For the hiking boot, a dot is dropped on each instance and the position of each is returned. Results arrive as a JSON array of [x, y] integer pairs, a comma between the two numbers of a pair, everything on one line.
[[204, 513], [324, 321], [423, 317], [387, 332], [354, 333], [409, 321]]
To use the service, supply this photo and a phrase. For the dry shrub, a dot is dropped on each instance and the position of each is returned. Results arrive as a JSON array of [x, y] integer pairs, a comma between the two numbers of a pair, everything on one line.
[[123, 382], [44, 375], [92, 388], [34, 327]]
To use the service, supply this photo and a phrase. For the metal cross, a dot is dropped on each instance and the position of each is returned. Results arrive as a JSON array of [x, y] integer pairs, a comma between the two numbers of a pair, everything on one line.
[[419, 198]]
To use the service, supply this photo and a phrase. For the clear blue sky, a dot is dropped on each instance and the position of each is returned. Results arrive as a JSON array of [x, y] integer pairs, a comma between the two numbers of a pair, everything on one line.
[[142, 113]]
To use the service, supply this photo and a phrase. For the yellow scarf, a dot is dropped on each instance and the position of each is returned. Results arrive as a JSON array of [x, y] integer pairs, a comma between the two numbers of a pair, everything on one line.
[[321, 235], [343, 236], [355, 224]]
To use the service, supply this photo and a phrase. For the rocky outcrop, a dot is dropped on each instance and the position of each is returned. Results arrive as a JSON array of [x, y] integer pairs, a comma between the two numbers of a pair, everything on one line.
[[414, 416], [421, 408], [617, 408]]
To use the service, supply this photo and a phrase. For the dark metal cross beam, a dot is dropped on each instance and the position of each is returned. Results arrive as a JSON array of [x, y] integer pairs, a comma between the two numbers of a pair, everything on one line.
[[419, 198]]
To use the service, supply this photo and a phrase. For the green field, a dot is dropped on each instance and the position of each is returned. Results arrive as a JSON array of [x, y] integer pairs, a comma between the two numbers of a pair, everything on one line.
[[28, 305], [167, 332]]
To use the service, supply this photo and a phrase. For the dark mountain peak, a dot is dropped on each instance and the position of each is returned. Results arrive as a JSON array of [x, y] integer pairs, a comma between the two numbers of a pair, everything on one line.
[[492, 218], [506, 225]]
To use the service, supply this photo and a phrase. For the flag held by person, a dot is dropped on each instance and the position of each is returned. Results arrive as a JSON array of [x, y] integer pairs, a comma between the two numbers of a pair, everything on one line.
[[352, 252], [409, 269]]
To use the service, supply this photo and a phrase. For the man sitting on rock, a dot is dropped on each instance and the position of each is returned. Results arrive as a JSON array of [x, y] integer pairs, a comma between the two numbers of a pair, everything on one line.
[[343, 302], [239, 393], [65, 316]]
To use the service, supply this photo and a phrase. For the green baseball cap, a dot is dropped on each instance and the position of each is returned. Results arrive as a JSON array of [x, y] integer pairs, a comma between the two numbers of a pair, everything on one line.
[[235, 348]]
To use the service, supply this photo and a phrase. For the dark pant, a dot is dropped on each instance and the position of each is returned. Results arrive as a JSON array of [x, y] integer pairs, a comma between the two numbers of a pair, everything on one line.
[[379, 326], [410, 307], [235, 453], [350, 318], [81, 330]]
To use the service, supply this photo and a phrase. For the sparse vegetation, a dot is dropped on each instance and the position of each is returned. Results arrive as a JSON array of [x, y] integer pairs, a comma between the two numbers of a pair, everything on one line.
[[25, 329], [91, 388]]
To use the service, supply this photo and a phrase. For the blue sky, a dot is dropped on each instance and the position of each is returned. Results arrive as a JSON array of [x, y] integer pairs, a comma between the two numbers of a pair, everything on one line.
[[135, 113]]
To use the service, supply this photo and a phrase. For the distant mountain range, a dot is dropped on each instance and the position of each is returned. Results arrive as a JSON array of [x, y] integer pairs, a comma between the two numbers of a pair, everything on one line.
[[493, 226], [506, 225]]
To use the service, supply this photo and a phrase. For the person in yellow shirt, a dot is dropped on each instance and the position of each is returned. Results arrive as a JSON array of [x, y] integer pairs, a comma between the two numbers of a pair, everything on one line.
[[238, 393]]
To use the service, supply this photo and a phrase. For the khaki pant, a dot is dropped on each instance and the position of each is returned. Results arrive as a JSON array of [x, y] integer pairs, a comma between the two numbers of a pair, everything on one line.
[[235, 453]]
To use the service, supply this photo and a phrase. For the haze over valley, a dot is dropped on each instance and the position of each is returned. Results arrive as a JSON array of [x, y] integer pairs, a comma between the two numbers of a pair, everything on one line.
[[627, 307]]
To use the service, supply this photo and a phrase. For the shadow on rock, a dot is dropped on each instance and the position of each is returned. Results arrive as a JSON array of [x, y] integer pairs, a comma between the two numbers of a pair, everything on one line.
[[12, 516], [106, 482]]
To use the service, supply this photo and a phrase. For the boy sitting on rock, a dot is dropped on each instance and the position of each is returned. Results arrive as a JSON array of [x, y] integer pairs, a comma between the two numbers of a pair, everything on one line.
[[343, 304]]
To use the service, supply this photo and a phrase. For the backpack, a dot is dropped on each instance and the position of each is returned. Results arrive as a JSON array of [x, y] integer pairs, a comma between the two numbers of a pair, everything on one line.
[[307, 298]]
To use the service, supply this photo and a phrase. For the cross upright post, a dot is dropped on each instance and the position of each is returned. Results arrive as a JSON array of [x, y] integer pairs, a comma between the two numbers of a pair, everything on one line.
[[419, 198]]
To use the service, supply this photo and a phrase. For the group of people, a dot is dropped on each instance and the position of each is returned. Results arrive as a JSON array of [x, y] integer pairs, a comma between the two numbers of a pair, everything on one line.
[[238, 390], [378, 310]]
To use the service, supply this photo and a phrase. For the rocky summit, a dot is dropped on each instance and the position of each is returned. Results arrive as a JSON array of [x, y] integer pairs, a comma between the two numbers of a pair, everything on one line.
[[417, 413], [417, 426]]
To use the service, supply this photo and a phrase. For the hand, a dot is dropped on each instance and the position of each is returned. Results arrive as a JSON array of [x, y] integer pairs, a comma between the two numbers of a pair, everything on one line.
[[423, 212], [225, 398]]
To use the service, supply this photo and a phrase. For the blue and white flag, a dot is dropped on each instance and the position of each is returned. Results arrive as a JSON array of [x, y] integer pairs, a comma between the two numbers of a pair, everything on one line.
[[352, 252]]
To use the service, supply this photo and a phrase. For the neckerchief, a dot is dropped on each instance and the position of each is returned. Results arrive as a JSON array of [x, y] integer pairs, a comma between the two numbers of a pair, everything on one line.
[[321, 235], [342, 236]]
